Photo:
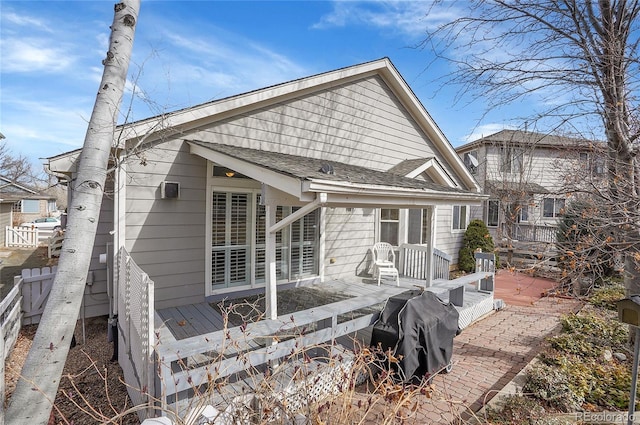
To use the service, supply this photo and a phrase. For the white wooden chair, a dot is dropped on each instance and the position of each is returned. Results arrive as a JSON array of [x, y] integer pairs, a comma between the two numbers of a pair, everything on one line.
[[384, 262]]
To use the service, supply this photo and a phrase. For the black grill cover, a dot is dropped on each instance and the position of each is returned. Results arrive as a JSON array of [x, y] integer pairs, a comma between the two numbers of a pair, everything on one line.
[[419, 330]]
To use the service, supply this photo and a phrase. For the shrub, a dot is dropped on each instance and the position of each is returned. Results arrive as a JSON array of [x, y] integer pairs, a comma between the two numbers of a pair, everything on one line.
[[552, 385], [516, 409], [476, 236], [606, 296]]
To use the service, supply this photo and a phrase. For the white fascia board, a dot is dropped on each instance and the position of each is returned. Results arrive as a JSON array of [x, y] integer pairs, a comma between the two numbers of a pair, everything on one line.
[[387, 194], [66, 163], [287, 184], [374, 201], [417, 110], [433, 164]]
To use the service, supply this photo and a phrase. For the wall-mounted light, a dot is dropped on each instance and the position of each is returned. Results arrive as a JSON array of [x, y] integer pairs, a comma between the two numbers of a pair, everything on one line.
[[229, 173]]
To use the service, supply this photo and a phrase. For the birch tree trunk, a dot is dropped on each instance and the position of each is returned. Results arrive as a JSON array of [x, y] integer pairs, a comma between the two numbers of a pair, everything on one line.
[[35, 393]]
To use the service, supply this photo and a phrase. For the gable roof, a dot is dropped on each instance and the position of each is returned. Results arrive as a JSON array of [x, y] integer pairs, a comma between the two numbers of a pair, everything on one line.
[[176, 123], [197, 116], [10, 186], [528, 138]]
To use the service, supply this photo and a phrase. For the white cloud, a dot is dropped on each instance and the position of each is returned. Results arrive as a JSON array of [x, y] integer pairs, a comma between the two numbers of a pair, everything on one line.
[[25, 21], [33, 55], [60, 124], [411, 18], [198, 67], [486, 130]]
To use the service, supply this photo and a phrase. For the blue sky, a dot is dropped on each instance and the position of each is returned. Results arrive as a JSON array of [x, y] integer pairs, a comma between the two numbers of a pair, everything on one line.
[[189, 52]]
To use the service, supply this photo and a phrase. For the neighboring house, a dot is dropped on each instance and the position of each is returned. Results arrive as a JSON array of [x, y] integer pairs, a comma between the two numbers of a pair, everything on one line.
[[528, 177], [28, 203], [6, 218]]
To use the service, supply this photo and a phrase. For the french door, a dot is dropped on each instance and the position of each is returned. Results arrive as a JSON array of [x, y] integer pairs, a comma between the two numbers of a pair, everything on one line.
[[230, 238], [238, 247]]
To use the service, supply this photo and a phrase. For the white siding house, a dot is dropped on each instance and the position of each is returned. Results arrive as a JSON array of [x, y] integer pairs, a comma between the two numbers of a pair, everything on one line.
[[351, 154], [529, 177]]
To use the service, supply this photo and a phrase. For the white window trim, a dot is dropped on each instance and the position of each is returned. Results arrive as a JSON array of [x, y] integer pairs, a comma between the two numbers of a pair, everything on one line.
[[466, 222]]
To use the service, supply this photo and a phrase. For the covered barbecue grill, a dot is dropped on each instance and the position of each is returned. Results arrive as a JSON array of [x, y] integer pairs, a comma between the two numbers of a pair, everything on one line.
[[418, 328]]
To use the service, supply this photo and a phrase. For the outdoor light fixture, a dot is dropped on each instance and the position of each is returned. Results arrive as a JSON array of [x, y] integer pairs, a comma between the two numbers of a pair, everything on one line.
[[229, 173]]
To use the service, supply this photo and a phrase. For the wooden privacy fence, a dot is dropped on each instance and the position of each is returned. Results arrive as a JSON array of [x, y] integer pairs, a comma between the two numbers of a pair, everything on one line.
[[35, 287], [54, 244], [23, 305]]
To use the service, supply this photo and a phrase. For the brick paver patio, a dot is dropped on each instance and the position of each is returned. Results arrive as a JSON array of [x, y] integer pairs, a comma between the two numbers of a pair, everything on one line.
[[488, 354]]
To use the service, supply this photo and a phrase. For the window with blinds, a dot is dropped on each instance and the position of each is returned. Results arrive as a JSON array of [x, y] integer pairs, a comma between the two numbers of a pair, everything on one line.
[[230, 238], [238, 257]]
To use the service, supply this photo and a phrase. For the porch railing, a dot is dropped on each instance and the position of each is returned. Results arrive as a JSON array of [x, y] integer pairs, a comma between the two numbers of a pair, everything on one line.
[[531, 232], [414, 262], [249, 347]]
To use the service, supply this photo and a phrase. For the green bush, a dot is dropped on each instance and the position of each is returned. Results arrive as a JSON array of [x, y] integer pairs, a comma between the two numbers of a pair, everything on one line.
[[476, 236]]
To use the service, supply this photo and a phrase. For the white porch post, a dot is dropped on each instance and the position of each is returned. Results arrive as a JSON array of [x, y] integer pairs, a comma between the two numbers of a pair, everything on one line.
[[270, 259], [432, 243]]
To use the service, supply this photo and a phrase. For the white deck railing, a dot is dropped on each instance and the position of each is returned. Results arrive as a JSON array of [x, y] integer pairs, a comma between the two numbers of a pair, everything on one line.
[[236, 350], [531, 232], [414, 262]]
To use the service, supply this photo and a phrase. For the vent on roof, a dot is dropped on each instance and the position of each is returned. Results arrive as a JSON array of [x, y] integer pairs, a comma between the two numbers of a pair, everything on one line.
[[327, 169]]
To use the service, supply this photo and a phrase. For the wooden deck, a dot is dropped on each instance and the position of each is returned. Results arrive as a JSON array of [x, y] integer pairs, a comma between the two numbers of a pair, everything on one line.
[[194, 344], [199, 319]]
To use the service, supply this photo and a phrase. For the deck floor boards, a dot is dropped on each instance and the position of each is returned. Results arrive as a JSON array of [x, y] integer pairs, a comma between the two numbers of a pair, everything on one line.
[[198, 319], [191, 320]]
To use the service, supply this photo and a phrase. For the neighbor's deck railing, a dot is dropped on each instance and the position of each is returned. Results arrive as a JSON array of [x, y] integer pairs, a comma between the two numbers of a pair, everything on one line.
[[531, 232], [414, 262]]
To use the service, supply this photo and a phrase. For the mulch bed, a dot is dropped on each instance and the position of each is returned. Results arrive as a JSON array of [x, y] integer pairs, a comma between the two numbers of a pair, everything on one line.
[[91, 390]]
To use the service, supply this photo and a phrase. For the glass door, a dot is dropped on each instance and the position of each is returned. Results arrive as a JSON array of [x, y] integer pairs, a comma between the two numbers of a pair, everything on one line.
[[231, 239]]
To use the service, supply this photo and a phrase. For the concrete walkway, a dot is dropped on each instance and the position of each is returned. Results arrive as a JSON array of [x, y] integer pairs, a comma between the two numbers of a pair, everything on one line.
[[488, 354]]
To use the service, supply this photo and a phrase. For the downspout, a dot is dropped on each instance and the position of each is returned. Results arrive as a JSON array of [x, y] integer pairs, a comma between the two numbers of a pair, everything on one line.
[[272, 228]]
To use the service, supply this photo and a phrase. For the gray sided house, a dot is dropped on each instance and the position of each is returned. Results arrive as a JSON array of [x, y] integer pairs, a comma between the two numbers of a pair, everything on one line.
[[292, 183], [529, 177]]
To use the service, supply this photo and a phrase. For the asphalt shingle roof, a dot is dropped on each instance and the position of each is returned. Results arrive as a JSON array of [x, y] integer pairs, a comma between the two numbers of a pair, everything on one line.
[[310, 168]]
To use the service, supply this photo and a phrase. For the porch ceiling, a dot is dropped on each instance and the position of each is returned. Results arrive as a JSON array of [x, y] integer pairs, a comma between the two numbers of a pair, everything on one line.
[[344, 184]]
